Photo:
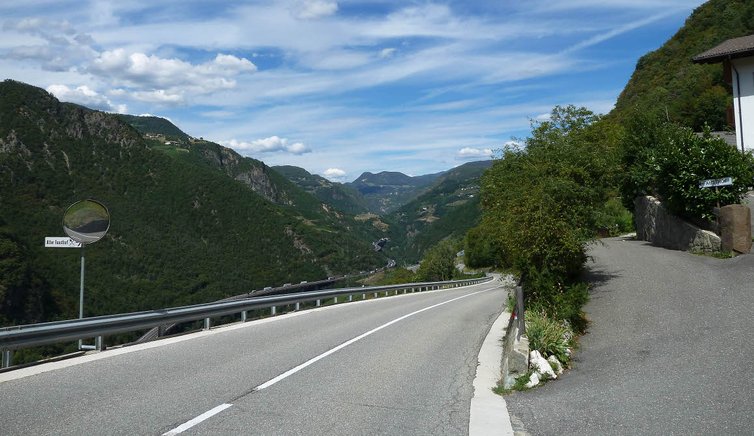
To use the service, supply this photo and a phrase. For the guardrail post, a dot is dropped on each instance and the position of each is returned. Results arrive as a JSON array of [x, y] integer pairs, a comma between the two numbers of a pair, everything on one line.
[[319, 303], [99, 343], [350, 297], [335, 300], [273, 310], [244, 316], [375, 295], [520, 311], [207, 323], [7, 358], [363, 296], [298, 306]]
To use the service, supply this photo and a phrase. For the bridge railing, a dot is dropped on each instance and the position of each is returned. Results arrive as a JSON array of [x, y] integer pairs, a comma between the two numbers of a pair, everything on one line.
[[31, 335]]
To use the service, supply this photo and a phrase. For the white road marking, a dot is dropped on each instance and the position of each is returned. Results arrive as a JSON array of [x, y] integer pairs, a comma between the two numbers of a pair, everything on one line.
[[204, 416], [292, 371]]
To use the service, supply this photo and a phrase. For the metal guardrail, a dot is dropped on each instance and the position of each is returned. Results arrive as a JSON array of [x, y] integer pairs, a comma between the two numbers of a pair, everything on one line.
[[30, 335]]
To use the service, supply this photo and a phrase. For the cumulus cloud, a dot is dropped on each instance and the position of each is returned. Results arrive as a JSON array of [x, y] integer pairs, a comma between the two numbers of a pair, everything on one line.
[[168, 81], [335, 174], [312, 9], [85, 96], [273, 144], [471, 153]]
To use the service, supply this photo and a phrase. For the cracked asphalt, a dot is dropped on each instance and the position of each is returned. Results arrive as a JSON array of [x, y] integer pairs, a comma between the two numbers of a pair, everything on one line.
[[412, 377], [669, 350]]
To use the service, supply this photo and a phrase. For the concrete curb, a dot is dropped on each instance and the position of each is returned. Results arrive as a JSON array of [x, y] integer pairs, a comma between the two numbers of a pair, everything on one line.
[[489, 412]]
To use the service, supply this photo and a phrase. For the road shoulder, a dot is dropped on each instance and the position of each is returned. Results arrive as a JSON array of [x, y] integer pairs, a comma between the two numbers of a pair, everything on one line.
[[489, 412]]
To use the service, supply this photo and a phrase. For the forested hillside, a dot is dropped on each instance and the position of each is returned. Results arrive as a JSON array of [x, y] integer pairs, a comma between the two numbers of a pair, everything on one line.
[[668, 83], [448, 209], [341, 197], [183, 230]]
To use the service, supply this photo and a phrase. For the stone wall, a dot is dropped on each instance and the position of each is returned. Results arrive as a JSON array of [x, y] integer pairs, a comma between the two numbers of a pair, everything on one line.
[[655, 225]]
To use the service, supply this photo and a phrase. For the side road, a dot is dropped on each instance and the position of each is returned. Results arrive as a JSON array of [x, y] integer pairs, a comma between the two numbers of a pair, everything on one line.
[[669, 349]]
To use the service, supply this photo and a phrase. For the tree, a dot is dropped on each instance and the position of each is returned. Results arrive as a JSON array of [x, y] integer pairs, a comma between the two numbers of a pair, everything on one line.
[[542, 202], [438, 263]]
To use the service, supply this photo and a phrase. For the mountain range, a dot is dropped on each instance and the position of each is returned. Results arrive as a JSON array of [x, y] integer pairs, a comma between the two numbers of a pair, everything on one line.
[[192, 221]]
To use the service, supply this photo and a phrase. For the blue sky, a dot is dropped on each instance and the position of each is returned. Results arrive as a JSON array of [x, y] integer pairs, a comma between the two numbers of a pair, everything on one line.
[[338, 87]]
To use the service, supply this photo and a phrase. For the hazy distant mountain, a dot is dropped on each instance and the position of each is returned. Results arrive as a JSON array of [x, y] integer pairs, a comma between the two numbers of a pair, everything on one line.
[[387, 191], [342, 197]]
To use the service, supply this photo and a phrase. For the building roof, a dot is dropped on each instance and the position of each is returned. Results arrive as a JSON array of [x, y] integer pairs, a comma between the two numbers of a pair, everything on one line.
[[732, 48]]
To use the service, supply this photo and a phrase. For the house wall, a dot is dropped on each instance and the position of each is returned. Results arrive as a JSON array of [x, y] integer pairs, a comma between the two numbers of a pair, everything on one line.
[[743, 101]]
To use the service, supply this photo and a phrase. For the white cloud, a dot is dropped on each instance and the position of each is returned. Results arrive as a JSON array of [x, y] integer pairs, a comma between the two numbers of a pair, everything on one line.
[[312, 9], [85, 96], [55, 45], [335, 174], [471, 153], [387, 52], [273, 144], [168, 81]]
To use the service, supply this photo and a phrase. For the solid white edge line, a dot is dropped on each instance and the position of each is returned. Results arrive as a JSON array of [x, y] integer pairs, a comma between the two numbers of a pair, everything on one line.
[[298, 368], [203, 417]]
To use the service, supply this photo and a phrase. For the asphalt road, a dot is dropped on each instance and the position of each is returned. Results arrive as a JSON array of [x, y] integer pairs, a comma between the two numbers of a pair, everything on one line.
[[669, 350], [410, 373]]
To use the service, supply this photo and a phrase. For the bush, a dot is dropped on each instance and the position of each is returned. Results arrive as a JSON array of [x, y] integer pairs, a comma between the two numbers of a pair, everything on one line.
[[669, 161], [614, 219], [439, 263], [543, 203]]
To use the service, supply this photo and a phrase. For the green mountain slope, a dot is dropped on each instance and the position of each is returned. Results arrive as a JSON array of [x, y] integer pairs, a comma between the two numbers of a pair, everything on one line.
[[341, 197], [449, 208], [667, 82], [155, 126], [182, 230]]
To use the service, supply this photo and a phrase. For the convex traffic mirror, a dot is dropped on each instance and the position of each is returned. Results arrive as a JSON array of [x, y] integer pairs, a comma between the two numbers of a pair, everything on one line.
[[86, 221]]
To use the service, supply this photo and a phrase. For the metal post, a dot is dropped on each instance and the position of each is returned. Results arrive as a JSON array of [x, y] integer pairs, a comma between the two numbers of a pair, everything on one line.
[[244, 316], [99, 343], [319, 303], [273, 310], [81, 292], [350, 297], [520, 311], [81, 288], [335, 300], [298, 306], [375, 295], [7, 358], [363, 296], [207, 323]]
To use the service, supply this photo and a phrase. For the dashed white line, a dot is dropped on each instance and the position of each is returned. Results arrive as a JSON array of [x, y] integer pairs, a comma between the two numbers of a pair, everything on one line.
[[204, 416]]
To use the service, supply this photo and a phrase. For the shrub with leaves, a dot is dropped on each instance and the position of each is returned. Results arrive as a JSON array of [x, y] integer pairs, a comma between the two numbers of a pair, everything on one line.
[[544, 202], [669, 161]]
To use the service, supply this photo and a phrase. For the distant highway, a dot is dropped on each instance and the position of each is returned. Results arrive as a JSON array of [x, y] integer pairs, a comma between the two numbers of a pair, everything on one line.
[[398, 365]]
